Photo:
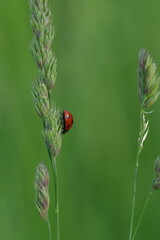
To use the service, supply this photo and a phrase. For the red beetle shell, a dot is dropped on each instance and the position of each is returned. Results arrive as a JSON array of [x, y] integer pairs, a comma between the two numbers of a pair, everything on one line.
[[68, 121]]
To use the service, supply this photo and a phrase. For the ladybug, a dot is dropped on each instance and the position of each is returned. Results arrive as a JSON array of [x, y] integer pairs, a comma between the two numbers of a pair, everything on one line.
[[67, 121]]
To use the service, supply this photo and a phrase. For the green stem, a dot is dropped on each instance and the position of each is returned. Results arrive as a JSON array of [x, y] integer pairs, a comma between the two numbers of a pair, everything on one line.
[[134, 196], [142, 213], [49, 229], [55, 175], [139, 148]]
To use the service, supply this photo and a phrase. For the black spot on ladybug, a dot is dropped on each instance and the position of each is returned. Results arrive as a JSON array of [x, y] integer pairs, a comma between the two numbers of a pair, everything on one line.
[[68, 126]]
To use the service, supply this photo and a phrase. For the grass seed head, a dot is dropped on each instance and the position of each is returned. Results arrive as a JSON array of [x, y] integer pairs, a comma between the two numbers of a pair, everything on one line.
[[41, 185], [157, 166], [40, 98], [156, 181], [52, 131], [156, 184], [41, 45], [148, 82]]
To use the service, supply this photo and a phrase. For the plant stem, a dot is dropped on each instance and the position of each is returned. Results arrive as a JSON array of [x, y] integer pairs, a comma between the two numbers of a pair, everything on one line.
[[55, 176], [142, 213], [139, 149], [49, 229]]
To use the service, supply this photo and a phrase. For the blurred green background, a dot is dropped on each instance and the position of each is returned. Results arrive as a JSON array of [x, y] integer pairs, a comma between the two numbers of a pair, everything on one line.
[[97, 44]]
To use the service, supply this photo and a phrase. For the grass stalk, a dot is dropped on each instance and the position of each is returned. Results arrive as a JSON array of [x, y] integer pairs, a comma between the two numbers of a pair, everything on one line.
[[55, 175], [49, 229], [142, 213], [142, 136], [139, 149]]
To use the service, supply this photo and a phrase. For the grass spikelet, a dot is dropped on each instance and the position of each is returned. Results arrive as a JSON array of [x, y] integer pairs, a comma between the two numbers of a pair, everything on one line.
[[148, 81], [41, 45], [52, 131], [156, 181], [41, 186]]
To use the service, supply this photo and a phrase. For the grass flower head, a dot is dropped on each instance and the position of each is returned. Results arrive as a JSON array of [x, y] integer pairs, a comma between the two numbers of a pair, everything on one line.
[[148, 81], [41, 185]]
